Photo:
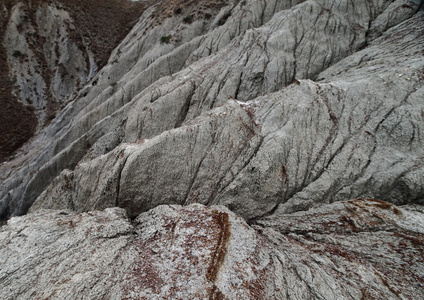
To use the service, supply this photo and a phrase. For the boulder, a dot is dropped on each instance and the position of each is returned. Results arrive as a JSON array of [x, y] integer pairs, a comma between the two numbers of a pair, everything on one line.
[[354, 249]]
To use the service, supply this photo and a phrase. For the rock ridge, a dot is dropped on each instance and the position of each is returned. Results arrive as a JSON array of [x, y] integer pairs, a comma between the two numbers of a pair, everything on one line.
[[155, 96]]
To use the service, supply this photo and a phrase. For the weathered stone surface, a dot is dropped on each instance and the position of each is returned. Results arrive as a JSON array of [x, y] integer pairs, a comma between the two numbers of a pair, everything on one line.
[[347, 250], [48, 77], [395, 13], [49, 51], [318, 141], [231, 144], [310, 143]]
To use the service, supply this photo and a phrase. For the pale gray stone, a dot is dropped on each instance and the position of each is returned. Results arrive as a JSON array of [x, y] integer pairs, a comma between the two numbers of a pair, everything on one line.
[[142, 96], [347, 250]]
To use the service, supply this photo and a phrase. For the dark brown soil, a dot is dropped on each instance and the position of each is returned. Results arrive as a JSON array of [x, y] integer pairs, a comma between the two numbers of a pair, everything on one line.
[[100, 24], [104, 24], [190, 10], [17, 122]]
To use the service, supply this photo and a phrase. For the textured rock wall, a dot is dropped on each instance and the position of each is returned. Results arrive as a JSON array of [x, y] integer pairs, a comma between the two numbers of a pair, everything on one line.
[[309, 143], [257, 50]]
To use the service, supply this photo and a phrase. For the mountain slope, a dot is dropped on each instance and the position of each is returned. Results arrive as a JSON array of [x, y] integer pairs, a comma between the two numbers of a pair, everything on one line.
[[231, 150], [139, 95]]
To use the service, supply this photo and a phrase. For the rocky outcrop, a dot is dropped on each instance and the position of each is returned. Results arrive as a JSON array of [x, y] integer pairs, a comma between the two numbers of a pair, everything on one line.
[[360, 249], [309, 143]]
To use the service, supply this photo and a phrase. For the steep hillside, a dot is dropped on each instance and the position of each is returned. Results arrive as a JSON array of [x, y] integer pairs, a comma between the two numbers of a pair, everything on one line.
[[233, 136], [49, 51], [151, 86]]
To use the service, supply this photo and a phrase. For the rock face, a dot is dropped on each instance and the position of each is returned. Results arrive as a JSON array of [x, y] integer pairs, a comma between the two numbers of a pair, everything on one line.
[[354, 133], [233, 136], [362, 249]]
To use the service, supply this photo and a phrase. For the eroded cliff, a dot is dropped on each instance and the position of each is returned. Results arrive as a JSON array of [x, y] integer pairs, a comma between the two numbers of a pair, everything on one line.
[[281, 111]]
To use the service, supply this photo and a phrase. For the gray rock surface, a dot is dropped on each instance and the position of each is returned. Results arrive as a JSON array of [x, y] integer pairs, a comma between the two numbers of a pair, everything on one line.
[[355, 133], [231, 141], [360, 249], [322, 141]]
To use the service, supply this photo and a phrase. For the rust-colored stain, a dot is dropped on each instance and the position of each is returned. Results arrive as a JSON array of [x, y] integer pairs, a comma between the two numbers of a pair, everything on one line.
[[177, 241], [218, 254], [377, 203], [283, 174]]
